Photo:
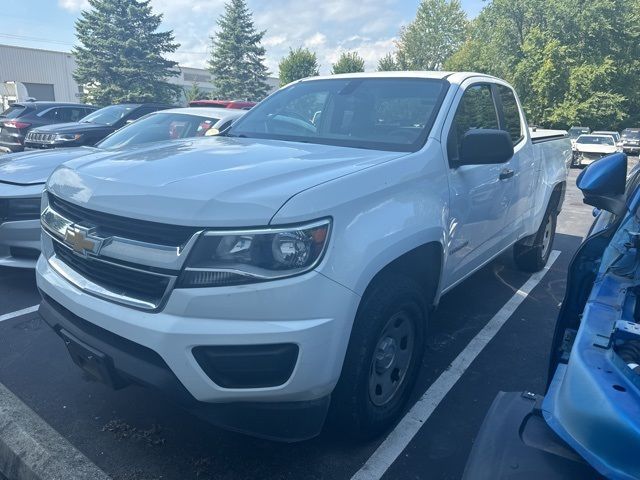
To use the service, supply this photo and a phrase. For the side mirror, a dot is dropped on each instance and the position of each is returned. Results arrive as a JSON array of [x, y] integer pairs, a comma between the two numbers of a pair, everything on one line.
[[603, 183], [485, 147]]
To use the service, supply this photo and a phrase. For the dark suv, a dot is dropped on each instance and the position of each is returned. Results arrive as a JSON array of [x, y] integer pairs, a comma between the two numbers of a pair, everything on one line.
[[21, 117], [90, 129]]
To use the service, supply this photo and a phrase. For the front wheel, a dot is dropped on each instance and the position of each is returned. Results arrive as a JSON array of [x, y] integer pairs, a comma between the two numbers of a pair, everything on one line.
[[383, 358], [533, 257]]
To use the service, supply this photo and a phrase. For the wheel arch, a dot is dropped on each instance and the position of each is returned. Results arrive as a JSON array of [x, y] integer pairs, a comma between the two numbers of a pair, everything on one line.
[[423, 264]]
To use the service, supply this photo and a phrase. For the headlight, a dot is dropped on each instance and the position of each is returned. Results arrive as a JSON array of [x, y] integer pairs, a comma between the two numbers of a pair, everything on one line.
[[67, 137], [233, 258]]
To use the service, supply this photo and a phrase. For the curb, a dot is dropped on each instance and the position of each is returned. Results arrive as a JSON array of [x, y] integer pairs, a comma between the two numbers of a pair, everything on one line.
[[31, 450]]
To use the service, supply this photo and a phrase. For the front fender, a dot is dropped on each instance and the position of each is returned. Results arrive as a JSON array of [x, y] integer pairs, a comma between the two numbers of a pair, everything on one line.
[[378, 214]]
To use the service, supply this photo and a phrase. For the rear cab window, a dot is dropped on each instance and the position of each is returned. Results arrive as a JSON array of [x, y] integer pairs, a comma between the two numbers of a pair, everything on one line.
[[511, 121]]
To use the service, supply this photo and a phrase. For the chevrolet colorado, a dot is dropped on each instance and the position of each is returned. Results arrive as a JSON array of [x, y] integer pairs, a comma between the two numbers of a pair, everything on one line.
[[284, 272]]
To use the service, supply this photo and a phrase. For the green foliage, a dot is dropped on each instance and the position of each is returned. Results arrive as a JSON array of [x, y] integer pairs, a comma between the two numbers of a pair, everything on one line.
[[120, 56], [437, 32], [237, 56], [349, 62], [572, 62], [195, 93], [388, 63], [299, 63]]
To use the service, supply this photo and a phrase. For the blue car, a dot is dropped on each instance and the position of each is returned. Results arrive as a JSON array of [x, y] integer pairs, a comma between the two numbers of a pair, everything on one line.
[[587, 425]]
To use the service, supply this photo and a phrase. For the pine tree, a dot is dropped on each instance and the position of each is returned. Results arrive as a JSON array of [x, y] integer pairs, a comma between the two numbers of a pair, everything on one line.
[[237, 56], [120, 56], [195, 93], [299, 63], [349, 62]]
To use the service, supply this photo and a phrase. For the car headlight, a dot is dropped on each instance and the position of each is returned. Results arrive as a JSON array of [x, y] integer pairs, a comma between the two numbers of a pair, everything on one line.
[[247, 256], [67, 137]]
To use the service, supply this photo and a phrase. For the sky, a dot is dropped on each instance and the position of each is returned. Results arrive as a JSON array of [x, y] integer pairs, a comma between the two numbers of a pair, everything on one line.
[[327, 27]]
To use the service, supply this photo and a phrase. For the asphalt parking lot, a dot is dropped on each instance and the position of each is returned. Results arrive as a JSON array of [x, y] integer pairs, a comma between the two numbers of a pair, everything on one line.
[[135, 434]]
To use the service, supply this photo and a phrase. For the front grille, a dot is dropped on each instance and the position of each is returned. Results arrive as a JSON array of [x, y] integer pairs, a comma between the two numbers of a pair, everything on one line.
[[117, 279], [108, 225], [593, 156], [12, 210], [40, 137]]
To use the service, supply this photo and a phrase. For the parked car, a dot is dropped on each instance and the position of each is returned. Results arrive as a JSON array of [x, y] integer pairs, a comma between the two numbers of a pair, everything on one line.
[[22, 175], [90, 129], [615, 135], [587, 425], [589, 148], [20, 118], [575, 132], [286, 269], [630, 140], [237, 104]]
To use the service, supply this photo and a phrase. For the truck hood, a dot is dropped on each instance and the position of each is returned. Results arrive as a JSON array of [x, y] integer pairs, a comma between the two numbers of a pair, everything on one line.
[[589, 148], [34, 167], [209, 182]]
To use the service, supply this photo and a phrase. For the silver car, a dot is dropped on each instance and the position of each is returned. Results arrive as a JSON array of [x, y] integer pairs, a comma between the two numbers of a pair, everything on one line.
[[22, 175]]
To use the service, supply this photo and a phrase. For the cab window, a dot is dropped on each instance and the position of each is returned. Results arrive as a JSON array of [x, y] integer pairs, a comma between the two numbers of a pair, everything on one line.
[[476, 110], [510, 114]]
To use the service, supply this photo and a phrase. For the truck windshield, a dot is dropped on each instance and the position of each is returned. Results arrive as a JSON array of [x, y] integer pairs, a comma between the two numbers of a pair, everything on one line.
[[596, 140], [393, 114]]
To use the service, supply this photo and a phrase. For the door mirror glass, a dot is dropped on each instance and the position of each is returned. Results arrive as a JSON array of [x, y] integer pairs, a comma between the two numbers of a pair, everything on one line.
[[485, 147], [603, 183]]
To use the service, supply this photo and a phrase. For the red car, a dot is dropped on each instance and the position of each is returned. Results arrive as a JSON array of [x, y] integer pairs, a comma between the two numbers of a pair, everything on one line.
[[237, 104]]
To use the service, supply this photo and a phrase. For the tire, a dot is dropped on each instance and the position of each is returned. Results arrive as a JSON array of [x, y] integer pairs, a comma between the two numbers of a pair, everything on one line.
[[532, 258], [377, 377]]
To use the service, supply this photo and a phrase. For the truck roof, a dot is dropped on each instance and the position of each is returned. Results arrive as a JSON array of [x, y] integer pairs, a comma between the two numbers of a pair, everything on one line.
[[453, 77]]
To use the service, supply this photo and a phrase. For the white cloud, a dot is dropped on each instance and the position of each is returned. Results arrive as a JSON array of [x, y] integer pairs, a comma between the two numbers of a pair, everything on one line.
[[328, 27], [73, 5]]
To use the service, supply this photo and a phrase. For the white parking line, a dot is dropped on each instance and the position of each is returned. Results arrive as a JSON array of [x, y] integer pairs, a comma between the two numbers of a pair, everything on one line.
[[399, 438], [18, 313]]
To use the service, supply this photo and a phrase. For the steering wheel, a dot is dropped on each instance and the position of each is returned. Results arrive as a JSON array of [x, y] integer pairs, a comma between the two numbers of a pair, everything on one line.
[[293, 120]]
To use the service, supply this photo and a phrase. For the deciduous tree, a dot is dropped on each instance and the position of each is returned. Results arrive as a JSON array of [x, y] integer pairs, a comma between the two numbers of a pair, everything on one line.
[[349, 62], [299, 63]]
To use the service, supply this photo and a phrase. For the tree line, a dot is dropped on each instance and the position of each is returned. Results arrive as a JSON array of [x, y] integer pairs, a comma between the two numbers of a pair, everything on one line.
[[571, 61]]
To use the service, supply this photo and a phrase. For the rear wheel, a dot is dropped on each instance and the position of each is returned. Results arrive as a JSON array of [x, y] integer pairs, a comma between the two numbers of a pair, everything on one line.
[[532, 258], [383, 358]]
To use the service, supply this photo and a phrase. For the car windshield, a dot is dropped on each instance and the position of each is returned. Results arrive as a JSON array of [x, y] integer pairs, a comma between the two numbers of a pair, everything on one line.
[[14, 111], [108, 115], [376, 113], [596, 140], [575, 132], [631, 135], [156, 127]]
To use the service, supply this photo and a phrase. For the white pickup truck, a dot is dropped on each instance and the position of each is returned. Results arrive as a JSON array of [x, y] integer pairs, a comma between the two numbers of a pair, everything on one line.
[[285, 272]]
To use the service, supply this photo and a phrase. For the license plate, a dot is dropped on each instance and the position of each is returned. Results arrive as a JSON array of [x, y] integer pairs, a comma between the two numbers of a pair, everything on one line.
[[98, 365]]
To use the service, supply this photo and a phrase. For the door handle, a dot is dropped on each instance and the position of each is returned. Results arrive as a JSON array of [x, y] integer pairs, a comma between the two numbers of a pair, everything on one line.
[[506, 173]]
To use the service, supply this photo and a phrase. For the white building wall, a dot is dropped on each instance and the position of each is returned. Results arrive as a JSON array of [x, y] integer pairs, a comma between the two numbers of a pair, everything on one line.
[[29, 65]]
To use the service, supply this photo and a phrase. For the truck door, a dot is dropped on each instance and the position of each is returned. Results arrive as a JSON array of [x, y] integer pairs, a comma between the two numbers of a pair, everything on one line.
[[523, 162], [480, 195]]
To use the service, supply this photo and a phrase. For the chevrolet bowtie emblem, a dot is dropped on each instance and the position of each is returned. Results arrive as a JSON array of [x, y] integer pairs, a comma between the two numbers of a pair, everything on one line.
[[82, 240]]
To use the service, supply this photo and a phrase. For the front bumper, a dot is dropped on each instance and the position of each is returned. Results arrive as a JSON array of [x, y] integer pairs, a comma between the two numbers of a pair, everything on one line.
[[310, 311]]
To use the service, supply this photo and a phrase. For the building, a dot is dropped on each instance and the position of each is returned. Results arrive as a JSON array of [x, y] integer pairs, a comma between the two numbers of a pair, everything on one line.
[[48, 75]]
